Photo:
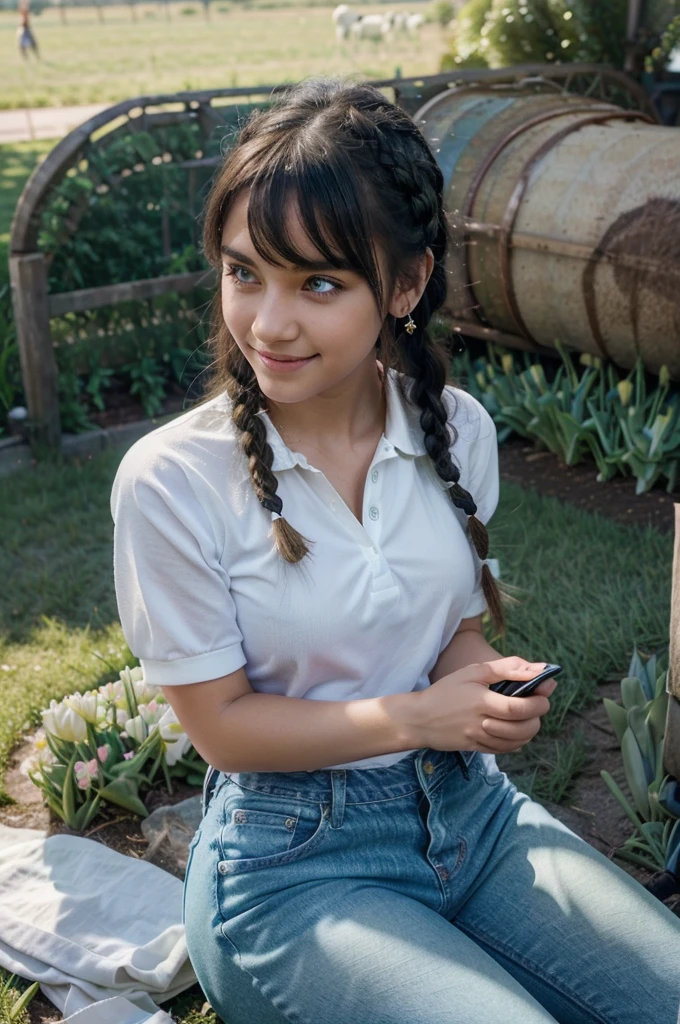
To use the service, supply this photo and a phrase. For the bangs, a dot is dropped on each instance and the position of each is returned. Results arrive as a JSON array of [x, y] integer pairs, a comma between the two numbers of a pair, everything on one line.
[[332, 211]]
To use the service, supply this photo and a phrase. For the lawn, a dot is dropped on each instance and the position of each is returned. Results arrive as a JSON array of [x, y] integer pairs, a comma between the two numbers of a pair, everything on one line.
[[85, 61], [16, 163]]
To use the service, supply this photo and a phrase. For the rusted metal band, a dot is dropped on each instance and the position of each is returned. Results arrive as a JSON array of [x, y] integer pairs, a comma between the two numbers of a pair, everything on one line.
[[494, 153], [549, 245], [490, 157], [510, 215]]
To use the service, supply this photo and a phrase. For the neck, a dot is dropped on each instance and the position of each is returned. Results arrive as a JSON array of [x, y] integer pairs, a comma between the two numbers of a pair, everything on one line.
[[346, 415]]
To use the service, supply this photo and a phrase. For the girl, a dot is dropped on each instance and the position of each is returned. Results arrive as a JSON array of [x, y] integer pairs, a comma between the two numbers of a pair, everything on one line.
[[300, 564]]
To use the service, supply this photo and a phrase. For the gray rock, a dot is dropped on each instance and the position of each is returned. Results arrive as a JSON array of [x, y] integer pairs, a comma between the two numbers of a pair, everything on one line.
[[170, 829]]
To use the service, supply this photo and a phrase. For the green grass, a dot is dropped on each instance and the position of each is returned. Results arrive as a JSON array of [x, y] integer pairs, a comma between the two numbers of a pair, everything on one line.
[[84, 61], [16, 164]]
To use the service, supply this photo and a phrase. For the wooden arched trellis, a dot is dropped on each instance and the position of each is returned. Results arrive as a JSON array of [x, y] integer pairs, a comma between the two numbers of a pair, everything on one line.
[[212, 111]]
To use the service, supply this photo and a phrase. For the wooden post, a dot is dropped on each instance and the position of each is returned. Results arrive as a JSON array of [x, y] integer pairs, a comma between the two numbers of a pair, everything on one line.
[[28, 274], [671, 743]]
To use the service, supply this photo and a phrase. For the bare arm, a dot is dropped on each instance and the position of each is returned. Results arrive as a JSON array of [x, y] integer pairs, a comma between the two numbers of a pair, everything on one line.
[[466, 647], [235, 729]]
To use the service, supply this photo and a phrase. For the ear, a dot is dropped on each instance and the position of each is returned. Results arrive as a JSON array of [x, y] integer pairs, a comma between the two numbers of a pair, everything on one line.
[[406, 294]]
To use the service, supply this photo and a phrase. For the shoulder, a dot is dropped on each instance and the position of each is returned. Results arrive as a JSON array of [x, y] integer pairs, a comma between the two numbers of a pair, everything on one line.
[[182, 458], [468, 418]]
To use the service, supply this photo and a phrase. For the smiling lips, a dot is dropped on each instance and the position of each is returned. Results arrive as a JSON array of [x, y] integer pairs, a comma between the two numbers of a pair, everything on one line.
[[284, 359], [284, 364]]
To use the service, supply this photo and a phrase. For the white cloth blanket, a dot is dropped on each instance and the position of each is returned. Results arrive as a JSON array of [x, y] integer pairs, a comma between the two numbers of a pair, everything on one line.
[[100, 931]]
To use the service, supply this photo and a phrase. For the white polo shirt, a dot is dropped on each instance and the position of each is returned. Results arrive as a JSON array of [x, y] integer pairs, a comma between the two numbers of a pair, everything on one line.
[[202, 590]]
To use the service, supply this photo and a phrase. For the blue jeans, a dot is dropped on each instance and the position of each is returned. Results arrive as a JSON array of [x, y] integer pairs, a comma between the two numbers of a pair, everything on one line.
[[429, 892]]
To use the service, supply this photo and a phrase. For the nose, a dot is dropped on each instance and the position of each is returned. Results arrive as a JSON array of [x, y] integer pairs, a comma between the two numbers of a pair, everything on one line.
[[275, 319]]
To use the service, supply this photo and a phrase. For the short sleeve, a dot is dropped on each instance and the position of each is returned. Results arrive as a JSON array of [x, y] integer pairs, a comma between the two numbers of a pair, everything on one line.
[[476, 452], [173, 595]]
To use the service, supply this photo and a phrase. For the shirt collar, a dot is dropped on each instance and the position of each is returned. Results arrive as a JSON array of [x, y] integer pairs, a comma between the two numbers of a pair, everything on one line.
[[402, 429]]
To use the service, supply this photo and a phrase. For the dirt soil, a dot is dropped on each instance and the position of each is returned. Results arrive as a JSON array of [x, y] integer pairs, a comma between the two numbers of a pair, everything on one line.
[[521, 463], [589, 810]]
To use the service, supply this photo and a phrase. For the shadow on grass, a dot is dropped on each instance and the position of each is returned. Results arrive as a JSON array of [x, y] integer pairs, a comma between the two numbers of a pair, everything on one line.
[[56, 556]]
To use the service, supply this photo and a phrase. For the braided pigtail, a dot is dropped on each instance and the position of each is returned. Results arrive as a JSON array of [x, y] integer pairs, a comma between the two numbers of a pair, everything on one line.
[[428, 369], [246, 399], [418, 177]]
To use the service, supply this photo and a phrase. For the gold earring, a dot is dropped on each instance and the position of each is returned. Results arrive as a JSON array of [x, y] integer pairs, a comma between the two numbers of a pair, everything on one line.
[[410, 325]]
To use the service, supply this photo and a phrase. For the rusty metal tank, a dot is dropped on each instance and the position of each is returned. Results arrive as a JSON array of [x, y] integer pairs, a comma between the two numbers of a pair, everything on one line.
[[565, 216]]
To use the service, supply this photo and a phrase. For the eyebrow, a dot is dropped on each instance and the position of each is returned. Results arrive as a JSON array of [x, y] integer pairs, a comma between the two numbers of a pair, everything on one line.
[[307, 265]]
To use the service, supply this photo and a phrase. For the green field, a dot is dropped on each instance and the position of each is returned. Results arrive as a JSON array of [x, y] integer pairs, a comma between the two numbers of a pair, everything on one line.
[[86, 61]]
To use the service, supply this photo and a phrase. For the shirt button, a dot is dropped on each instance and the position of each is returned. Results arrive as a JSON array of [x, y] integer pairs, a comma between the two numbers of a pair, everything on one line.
[[374, 475], [373, 512], [334, 505], [428, 767]]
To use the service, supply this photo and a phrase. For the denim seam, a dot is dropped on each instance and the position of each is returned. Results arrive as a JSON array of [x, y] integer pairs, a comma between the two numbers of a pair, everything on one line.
[[294, 1017], [321, 796], [532, 968]]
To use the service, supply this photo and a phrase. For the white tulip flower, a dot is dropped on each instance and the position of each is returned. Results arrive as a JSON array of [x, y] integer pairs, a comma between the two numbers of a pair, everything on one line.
[[136, 728], [85, 704], [177, 743], [64, 723]]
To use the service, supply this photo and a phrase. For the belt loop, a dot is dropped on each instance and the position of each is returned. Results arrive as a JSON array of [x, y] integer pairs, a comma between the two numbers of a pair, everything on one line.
[[339, 786], [208, 787], [461, 761]]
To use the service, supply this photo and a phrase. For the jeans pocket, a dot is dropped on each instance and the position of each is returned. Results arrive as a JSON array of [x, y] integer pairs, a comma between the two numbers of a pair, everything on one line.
[[259, 830]]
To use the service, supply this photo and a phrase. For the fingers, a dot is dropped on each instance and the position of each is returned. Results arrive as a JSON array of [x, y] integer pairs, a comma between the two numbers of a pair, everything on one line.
[[502, 668], [515, 709], [510, 731]]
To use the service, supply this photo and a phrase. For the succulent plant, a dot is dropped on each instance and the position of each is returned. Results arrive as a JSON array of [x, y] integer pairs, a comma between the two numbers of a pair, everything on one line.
[[639, 723]]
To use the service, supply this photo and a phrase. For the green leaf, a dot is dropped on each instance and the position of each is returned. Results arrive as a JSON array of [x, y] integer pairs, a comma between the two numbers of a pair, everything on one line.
[[656, 717], [632, 693], [87, 812], [123, 793], [19, 1006], [637, 721], [618, 717], [614, 788], [69, 794], [635, 773]]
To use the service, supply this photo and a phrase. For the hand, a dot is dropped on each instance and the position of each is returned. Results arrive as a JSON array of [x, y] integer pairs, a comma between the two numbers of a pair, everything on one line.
[[459, 712]]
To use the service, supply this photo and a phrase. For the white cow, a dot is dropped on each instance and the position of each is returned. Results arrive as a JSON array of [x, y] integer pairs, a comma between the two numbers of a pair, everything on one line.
[[371, 26], [344, 18]]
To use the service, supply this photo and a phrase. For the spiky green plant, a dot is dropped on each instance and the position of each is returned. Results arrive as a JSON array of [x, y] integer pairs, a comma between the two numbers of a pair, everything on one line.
[[13, 1004], [639, 723]]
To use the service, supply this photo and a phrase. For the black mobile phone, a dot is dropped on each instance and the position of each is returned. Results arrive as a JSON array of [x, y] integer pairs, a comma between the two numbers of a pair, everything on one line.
[[517, 688]]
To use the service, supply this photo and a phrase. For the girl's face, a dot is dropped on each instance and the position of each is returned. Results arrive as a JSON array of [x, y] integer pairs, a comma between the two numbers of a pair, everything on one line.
[[304, 332]]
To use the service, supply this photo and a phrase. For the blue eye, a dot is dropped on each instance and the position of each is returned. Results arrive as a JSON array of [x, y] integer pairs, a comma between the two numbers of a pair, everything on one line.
[[239, 272], [234, 271], [332, 287]]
